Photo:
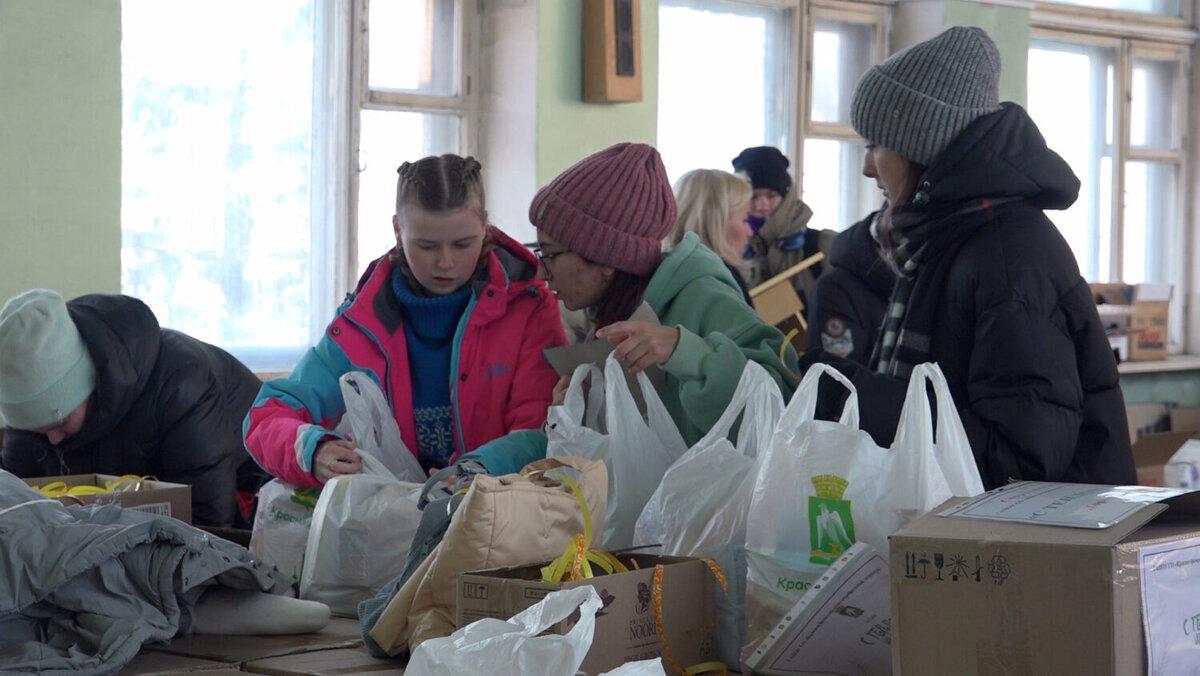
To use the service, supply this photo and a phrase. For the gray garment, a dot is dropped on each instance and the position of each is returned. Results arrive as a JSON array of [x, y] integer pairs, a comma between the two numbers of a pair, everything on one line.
[[82, 588]]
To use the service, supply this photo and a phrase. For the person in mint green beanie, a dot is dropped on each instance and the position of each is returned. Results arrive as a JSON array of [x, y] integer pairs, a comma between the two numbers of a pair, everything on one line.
[[95, 385], [600, 230], [47, 373]]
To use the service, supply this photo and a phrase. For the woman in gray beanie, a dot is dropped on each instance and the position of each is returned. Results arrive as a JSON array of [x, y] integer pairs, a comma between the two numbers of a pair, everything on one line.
[[988, 288]]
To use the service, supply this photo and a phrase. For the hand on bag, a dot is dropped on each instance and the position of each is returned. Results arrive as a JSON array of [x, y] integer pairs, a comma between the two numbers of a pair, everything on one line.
[[640, 344], [560, 390], [335, 458]]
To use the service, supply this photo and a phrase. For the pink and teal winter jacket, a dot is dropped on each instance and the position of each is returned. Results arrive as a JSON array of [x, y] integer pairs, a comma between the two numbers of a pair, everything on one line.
[[499, 382]]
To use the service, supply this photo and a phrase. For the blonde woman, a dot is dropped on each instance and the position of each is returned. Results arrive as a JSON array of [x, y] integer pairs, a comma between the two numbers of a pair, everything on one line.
[[715, 205]]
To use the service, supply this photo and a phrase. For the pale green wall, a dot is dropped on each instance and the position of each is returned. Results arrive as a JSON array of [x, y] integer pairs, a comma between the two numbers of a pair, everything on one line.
[[568, 129], [60, 146], [1009, 28]]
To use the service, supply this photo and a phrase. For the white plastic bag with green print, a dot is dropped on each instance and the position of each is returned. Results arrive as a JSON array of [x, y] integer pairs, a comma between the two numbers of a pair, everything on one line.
[[821, 486], [281, 524]]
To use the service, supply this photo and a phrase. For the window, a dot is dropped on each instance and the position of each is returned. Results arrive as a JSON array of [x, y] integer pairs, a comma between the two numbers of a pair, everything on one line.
[[1114, 109], [843, 43], [757, 95], [242, 197], [413, 104], [713, 103]]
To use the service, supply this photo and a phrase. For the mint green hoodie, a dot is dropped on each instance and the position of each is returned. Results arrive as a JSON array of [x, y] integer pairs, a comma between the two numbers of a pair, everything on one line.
[[718, 333]]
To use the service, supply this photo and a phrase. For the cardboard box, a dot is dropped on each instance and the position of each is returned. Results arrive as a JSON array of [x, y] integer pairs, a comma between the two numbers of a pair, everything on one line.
[[157, 497], [340, 633], [1139, 311], [1152, 451], [1146, 418], [625, 627], [1185, 419], [326, 662], [146, 663], [973, 597]]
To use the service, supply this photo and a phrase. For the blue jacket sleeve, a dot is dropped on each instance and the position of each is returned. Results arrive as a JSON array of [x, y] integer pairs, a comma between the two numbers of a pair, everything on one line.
[[509, 453]]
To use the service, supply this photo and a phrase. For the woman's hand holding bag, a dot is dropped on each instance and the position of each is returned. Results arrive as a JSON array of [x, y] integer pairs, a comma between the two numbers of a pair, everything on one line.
[[636, 449]]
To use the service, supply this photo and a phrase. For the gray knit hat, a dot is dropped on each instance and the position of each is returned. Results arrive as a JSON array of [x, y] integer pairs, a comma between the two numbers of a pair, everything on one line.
[[920, 98], [46, 370]]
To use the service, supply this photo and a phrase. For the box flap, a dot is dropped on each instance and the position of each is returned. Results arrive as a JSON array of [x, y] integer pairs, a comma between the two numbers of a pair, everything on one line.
[[1156, 449]]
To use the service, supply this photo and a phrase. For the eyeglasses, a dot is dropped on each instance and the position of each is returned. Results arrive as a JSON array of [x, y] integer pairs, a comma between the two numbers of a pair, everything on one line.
[[545, 258]]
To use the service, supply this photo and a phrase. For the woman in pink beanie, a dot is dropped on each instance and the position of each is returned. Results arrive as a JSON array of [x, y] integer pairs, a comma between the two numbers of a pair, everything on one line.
[[600, 229]]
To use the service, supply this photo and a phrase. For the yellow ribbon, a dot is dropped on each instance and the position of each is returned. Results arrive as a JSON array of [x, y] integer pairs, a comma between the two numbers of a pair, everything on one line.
[[123, 484], [576, 562], [718, 668], [787, 340]]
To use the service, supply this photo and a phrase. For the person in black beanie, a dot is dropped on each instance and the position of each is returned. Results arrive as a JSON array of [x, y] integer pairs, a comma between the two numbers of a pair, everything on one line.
[[988, 289], [779, 220]]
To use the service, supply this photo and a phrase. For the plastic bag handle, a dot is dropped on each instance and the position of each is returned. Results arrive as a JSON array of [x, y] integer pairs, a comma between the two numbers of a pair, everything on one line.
[[752, 382], [803, 406], [619, 397], [573, 401], [916, 419]]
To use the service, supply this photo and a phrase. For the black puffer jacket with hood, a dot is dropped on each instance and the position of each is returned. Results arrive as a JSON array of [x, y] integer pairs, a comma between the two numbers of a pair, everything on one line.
[[849, 299], [1014, 326], [165, 404]]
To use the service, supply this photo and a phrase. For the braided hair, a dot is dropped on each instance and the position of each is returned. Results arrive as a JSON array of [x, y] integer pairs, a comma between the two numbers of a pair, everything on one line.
[[440, 183]]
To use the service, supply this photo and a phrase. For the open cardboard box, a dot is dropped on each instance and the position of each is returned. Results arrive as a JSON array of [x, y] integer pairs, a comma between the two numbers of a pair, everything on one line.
[[625, 625], [1135, 317], [156, 497], [1152, 451], [1019, 597]]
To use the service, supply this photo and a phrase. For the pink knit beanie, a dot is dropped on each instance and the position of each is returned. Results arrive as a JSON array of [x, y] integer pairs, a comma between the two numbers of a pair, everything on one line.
[[613, 207]]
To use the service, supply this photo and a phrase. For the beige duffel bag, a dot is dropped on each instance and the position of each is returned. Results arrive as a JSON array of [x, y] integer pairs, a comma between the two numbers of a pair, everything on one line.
[[509, 520]]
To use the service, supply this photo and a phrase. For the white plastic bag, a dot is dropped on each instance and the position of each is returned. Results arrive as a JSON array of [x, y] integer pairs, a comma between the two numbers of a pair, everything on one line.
[[699, 508], [822, 485], [516, 646], [281, 524], [916, 431], [637, 450], [370, 423], [651, 667], [362, 528], [363, 524]]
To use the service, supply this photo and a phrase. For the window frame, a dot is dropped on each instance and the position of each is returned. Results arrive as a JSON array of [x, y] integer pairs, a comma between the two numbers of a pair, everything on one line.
[[1137, 36], [845, 12], [463, 103]]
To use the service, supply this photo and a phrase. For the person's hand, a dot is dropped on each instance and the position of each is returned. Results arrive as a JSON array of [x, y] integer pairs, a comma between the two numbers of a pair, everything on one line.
[[640, 345], [335, 458], [560, 390]]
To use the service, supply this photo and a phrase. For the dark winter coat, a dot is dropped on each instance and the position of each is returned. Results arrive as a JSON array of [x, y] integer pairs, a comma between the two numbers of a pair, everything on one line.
[[849, 300], [165, 404], [1012, 324]]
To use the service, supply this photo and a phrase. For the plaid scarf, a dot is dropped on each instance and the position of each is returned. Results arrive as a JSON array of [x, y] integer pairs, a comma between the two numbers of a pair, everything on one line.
[[923, 256]]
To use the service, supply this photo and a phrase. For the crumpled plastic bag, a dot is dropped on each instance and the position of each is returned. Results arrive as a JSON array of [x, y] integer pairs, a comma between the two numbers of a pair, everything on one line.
[[495, 647]]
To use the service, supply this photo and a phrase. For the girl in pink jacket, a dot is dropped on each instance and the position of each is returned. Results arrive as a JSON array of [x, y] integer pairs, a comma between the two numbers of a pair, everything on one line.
[[451, 324]]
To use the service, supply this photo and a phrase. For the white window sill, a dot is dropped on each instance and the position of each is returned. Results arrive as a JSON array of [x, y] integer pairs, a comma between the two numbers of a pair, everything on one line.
[[1175, 362]]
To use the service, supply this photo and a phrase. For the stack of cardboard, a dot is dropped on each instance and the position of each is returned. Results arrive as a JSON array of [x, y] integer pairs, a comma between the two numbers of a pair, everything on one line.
[[1135, 318]]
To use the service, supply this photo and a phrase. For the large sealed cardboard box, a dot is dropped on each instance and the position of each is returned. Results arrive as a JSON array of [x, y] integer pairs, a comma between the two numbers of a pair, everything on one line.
[[1136, 318], [157, 497], [1031, 595], [625, 625]]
